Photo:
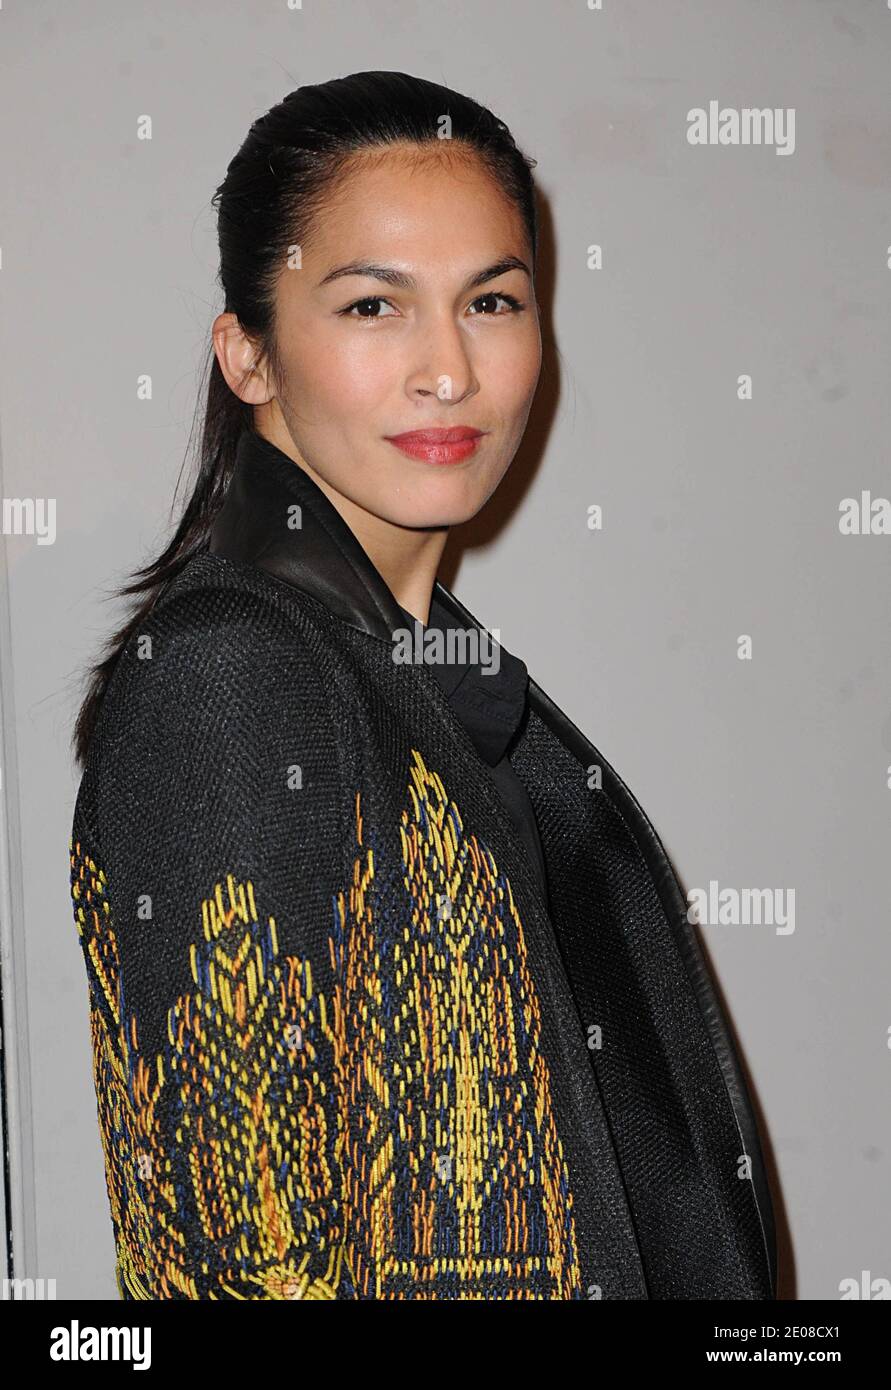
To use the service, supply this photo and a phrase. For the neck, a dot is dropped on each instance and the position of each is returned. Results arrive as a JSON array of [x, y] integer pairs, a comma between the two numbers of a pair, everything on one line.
[[406, 559]]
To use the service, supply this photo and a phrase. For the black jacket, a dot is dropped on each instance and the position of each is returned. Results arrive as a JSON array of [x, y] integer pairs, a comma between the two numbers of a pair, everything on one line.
[[333, 1057]]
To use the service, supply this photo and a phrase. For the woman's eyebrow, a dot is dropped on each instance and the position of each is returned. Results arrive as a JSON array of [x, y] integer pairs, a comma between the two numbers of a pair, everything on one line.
[[398, 278]]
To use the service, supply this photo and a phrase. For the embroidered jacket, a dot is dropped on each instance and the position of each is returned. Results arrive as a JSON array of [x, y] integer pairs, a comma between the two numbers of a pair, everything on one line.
[[329, 1056]]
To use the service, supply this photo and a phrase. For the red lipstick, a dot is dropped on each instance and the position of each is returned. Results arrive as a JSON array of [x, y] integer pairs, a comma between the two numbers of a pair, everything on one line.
[[438, 446]]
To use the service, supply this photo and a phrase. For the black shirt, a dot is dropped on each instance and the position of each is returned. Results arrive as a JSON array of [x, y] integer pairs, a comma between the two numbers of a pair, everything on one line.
[[491, 706]]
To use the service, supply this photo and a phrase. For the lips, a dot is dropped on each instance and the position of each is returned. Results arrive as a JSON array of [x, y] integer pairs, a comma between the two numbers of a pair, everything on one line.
[[438, 445], [450, 436]]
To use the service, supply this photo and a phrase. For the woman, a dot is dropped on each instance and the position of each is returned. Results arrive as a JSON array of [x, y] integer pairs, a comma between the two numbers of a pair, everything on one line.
[[393, 992]]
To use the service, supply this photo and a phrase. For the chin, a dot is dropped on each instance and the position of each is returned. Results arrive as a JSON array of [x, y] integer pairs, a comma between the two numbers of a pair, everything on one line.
[[430, 517], [447, 503]]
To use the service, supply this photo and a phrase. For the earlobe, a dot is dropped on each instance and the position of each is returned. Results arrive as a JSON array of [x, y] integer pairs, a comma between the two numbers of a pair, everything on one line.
[[251, 385]]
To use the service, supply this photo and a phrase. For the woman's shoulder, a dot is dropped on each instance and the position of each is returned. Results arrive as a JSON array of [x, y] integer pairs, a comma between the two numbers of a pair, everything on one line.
[[221, 682], [216, 587], [221, 652]]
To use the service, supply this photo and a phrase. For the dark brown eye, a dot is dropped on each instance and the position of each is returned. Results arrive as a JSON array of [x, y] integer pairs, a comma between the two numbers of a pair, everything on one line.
[[363, 304], [492, 298]]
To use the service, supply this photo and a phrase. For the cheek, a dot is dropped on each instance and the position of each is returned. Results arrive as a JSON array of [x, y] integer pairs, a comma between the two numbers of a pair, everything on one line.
[[352, 372], [332, 377], [512, 373]]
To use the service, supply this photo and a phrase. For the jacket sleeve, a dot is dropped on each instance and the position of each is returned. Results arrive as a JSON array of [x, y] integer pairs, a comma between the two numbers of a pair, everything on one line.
[[205, 852]]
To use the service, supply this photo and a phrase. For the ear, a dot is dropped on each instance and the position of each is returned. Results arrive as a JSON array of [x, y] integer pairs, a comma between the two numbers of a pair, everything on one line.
[[237, 356]]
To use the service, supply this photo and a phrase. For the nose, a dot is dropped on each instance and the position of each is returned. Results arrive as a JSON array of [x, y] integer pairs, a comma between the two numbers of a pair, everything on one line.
[[443, 366]]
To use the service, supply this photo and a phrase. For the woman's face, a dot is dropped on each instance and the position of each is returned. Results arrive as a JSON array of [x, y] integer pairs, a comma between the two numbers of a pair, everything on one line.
[[364, 358]]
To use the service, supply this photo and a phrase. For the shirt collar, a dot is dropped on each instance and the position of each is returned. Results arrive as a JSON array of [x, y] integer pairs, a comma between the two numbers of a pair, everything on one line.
[[490, 703]]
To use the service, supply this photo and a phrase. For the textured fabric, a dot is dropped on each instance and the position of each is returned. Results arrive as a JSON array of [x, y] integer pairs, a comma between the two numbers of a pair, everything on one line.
[[491, 705], [344, 1045]]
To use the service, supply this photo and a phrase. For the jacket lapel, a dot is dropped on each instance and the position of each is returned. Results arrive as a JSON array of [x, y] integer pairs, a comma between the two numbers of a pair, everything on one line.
[[650, 857]]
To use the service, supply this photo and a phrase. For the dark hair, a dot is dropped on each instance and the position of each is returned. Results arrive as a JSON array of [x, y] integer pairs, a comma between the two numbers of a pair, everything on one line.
[[279, 179]]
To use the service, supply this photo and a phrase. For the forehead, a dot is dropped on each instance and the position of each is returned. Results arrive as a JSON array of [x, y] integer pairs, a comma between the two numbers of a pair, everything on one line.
[[420, 206]]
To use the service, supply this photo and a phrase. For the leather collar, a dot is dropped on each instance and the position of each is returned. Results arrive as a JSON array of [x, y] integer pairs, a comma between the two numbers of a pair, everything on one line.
[[315, 550]]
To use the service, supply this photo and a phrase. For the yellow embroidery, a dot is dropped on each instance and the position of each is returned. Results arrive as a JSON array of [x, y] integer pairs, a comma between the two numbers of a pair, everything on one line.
[[240, 1091], [393, 1139]]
